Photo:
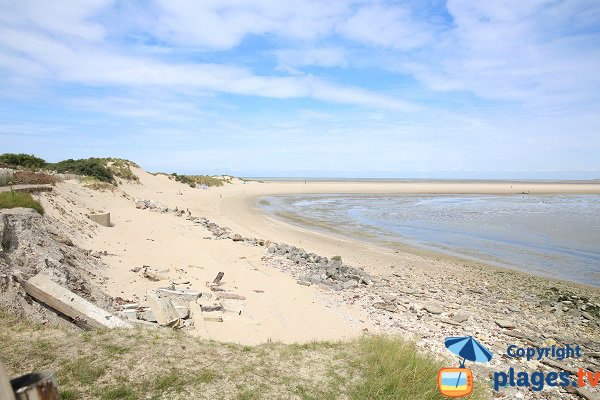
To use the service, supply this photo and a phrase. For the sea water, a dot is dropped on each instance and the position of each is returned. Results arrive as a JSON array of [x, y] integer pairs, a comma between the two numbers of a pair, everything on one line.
[[550, 235]]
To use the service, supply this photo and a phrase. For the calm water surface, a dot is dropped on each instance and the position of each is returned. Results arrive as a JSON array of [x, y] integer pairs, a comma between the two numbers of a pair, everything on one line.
[[556, 236]]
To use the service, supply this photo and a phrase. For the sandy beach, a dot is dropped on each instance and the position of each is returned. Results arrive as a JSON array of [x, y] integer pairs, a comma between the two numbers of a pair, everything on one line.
[[282, 283], [276, 307]]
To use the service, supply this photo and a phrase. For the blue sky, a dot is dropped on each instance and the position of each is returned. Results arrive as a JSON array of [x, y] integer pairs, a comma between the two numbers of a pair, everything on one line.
[[460, 88]]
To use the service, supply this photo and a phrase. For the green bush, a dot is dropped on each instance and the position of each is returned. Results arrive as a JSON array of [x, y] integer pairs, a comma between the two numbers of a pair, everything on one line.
[[93, 167], [22, 160], [121, 168], [194, 180], [19, 199]]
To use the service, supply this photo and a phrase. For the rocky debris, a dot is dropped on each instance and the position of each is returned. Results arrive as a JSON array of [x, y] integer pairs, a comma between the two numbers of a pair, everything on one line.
[[153, 275], [503, 323], [460, 318], [329, 273], [559, 365], [182, 307], [433, 308], [33, 244], [586, 394], [317, 270]]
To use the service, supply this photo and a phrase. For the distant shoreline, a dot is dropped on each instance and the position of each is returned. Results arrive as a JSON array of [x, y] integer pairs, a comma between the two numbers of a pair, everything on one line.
[[428, 180]]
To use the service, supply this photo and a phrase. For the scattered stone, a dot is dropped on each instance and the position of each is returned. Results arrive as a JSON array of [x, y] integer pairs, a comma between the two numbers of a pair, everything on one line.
[[136, 269], [433, 309], [153, 276], [460, 318], [559, 365], [503, 323], [587, 316], [587, 394], [231, 296], [388, 297], [303, 283]]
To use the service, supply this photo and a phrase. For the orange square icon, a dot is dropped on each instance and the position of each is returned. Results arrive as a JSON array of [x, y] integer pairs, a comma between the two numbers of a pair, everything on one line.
[[455, 382]]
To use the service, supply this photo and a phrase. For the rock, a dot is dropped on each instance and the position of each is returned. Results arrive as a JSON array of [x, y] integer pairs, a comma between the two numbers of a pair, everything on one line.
[[237, 237], [433, 309], [388, 297], [303, 283], [136, 269], [587, 316], [153, 276], [559, 365], [460, 318], [512, 308], [587, 394], [315, 279], [503, 323], [231, 296], [350, 284]]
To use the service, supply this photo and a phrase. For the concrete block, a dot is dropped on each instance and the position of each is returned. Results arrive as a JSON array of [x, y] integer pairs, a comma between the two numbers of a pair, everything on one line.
[[101, 219]]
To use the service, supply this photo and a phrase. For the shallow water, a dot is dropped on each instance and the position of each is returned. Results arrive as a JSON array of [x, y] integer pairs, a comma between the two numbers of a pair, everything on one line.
[[555, 235]]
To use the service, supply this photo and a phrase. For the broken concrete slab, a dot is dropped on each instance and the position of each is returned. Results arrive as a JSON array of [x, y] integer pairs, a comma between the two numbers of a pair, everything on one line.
[[164, 311], [213, 316], [231, 296], [43, 289], [131, 315], [146, 315], [101, 219], [181, 294], [197, 316]]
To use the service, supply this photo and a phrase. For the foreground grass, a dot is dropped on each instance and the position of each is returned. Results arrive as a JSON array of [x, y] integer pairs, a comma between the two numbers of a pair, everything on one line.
[[143, 364], [19, 199]]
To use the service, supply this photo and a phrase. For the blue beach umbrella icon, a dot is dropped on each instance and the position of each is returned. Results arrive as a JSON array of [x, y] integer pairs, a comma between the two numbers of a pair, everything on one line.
[[468, 348]]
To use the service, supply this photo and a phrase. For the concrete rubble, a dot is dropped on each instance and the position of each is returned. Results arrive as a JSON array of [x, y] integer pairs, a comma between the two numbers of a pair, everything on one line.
[[182, 307]]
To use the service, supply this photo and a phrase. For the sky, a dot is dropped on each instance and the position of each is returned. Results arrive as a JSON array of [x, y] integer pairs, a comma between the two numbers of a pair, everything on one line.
[[417, 88]]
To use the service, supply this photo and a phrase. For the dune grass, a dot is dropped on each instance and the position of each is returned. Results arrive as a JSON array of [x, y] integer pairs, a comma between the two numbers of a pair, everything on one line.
[[14, 199], [147, 364]]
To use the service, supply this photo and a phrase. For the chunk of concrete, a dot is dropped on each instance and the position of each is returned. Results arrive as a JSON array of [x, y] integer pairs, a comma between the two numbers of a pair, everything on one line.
[[183, 294], [163, 309], [101, 219], [43, 289]]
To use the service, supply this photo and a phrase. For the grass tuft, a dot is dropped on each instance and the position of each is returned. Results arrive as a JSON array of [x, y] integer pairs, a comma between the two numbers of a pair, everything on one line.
[[19, 199]]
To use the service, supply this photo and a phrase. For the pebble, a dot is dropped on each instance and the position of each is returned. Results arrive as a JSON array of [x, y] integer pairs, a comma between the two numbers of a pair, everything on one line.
[[503, 323]]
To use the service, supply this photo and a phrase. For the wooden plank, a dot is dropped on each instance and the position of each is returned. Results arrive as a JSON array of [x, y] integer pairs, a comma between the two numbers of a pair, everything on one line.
[[163, 310], [43, 289], [218, 278]]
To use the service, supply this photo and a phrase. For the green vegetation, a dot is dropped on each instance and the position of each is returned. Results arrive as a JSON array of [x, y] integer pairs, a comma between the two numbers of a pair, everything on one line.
[[22, 160], [194, 180], [138, 364], [101, 169], [19, 199], [93, 167], [121, 168], [337, 258]]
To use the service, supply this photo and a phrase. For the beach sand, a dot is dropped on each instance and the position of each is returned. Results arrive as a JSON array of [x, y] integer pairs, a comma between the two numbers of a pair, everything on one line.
[[421, 295]]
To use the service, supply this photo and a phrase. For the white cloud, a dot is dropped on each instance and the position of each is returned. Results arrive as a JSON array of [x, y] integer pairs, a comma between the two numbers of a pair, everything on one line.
[[69, 18], [320, 56], [386, 26], [530, 52]]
